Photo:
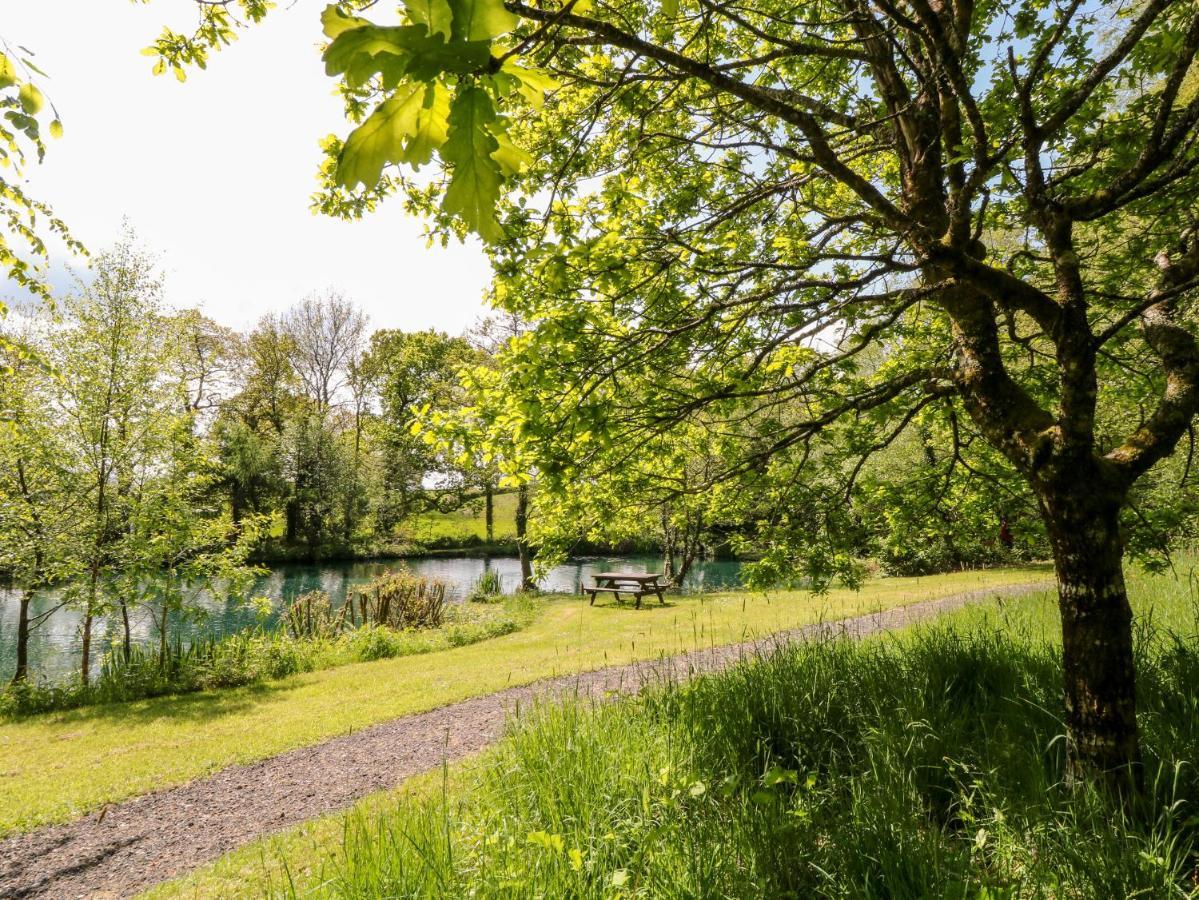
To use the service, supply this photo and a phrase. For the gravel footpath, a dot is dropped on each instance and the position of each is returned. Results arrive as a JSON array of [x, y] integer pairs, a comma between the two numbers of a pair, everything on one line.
[[132, 845]]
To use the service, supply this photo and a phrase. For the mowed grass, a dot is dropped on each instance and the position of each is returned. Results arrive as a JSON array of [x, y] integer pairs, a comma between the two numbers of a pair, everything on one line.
[[59, 766], [923, 763]]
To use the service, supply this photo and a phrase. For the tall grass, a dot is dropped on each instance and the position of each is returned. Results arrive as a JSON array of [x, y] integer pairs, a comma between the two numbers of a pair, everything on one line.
[[925, 765]]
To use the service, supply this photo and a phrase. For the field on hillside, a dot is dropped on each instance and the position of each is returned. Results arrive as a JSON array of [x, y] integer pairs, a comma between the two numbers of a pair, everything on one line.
[[926, 763], [468, 524]]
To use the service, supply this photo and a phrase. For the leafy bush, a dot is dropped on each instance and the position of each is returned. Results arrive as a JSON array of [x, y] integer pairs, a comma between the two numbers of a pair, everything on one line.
[[314, 615], [400, 600]]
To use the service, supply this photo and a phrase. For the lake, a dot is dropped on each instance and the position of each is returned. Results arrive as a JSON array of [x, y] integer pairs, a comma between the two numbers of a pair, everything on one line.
[[54, 646]]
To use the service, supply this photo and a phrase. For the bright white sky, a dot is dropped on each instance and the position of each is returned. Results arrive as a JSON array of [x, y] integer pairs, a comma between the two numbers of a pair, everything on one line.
[[215, 174]]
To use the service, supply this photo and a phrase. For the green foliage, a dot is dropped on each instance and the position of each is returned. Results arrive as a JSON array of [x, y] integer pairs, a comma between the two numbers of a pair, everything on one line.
[[487, 588], [414, 374], [692, 244], [475, 188], [407, 128], [312, 615], [400, 600], [440, 86], [216, 27], [24, 255], [321, 476]]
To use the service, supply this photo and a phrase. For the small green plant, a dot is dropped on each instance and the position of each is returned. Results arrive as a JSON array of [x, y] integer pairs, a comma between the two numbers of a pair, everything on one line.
[[487, 587]]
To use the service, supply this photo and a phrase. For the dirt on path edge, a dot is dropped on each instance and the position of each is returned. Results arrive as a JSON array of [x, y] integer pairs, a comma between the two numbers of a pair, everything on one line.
[[130, 846]]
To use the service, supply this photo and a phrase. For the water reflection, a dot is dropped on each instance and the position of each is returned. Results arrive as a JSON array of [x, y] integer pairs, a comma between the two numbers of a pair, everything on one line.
[[54, 646]]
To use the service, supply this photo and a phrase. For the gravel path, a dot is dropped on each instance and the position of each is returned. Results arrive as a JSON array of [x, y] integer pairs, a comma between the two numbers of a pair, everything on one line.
[[132, 845]]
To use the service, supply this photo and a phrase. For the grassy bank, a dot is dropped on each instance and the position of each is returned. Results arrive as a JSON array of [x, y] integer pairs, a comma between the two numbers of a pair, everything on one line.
[[257, 656], [104, 754], [923, 764]]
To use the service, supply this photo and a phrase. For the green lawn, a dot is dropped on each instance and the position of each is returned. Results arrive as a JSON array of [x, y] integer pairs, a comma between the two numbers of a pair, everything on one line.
[[500, 807], [59, 766]]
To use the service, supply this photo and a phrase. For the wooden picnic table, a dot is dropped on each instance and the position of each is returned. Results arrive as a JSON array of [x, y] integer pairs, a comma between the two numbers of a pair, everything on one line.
[[639, 584]]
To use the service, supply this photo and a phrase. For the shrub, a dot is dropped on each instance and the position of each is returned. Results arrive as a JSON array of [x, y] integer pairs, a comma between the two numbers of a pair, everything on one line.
[[313, 615], [487, 588], [400, 600]]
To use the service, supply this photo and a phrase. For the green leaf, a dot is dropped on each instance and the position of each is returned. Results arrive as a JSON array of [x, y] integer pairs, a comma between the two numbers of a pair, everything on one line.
[[407, 127], [531, 83], [8, 73], [359, 53], [474, 186], [429, 128], [480, 20], [31, 99], [56, 129], [511, 158], [670, 8], [435, 15], [399, 52], [333, 23], [431, 56]]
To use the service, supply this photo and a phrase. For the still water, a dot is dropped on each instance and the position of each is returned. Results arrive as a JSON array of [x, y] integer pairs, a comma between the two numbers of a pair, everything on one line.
[[54, 645]]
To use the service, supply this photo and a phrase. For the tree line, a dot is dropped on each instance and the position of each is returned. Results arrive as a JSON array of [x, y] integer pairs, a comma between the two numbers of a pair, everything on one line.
[[150, 452]]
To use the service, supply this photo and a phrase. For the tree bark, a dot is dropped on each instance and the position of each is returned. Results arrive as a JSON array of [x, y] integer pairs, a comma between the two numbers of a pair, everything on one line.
[[522, 543], [86, 662], [127, 636], [489, 511], [22, 672], [1097, 636], [667, 548]]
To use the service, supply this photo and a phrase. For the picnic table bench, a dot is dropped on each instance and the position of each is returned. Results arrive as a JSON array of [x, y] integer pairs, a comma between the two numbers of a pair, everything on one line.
[[638, 584]]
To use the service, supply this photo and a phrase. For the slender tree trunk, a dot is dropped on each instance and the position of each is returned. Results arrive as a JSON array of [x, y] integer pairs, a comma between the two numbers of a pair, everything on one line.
[[22, 672], [39, 563], [667, 548], [522, 543], [162, 635], [685, 564], [1097, 638], [127, 637], [86, 662], [489, 511]]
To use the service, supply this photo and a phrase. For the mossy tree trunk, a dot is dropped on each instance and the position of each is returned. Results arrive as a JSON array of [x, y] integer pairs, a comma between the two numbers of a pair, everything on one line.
[[1097, 633]]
